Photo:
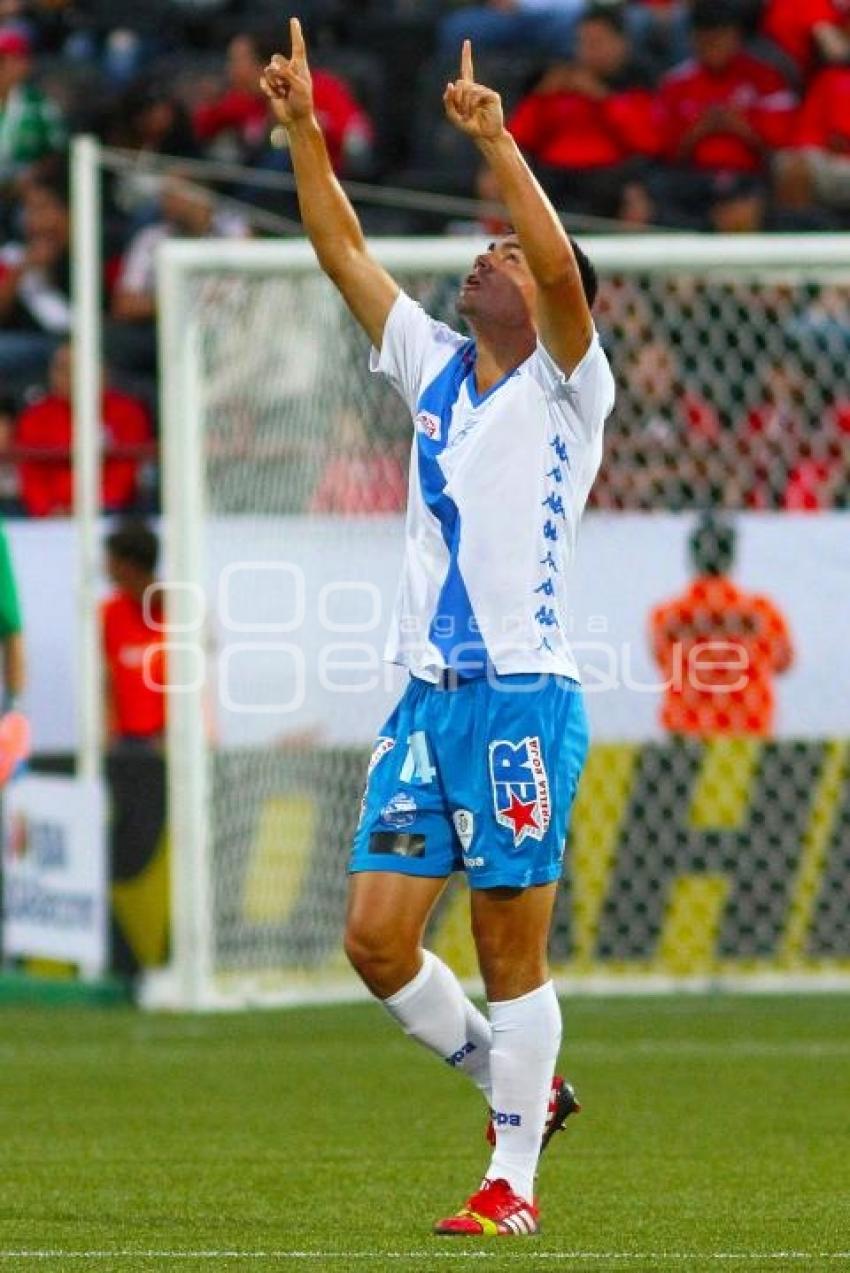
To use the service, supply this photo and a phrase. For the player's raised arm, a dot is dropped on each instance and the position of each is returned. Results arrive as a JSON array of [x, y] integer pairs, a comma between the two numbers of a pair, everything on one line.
[[566, 327], [329, 219]]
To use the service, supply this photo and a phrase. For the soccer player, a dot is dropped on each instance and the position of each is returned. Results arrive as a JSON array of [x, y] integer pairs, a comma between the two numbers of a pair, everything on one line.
[[477, 767]]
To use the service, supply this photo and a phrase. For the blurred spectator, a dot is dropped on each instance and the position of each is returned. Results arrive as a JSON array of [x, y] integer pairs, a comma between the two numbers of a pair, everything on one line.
[[240, 117], [718, 647], [807, 31], [360, 476], [11, 635], [661, 29], [133, 638], [9, 502], [738, 204], [513, 25], [587, 123], [35, 306], [662, 443], [186, 211], [725, 111], [817, 168], [772, 432], [150, 121], [819, 477], [47, 485], [492, 221], [31, 127], [237, 117]]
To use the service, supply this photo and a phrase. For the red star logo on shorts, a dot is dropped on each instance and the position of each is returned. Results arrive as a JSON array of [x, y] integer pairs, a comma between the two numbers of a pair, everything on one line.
[[521, 816]]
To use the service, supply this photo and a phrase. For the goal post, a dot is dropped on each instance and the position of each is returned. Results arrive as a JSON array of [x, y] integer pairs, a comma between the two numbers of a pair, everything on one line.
[[282, 512]]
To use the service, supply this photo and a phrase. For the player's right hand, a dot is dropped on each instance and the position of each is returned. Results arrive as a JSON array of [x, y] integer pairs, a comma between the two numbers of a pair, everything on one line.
[[287, 82]]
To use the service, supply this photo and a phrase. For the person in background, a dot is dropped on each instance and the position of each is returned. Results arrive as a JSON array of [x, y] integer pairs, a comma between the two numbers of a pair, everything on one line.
[[14, 726], [816, 167], [588, 124], [186, 211], [149, 120], [11, 633], [8, 468], [32, 131], [240, 113], [133, 638], [664, 442], [46, 484], [718, 647], [35, 282], [722, 112], [361, 476], [544, 25], [807, 31]]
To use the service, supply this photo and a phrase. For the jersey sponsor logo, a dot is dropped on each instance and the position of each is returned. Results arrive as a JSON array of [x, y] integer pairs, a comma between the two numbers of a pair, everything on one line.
[[464, 826], [400, 811], [429, 424], [520, 788], [472, 863]]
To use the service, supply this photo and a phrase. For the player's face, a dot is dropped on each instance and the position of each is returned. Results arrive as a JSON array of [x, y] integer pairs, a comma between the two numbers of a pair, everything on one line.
[[500, 288]]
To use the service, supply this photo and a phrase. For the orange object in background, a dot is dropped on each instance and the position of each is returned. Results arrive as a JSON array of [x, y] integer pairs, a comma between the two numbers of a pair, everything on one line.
[[136, 667], [719, 647]]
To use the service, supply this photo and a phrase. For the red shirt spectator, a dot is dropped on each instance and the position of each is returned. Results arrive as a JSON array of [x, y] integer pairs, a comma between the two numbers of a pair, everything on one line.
[[47, 485], [135, 665], [723, 119], [571, 129], [593, 113], [800, 27], [824, 118], [132, 622], [243, 109]]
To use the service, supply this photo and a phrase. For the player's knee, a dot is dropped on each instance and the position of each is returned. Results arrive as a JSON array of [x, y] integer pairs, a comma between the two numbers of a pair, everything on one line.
[[379, 954]]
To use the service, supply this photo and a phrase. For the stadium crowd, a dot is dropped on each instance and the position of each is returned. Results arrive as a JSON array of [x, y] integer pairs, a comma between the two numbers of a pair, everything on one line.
[[715, 115]]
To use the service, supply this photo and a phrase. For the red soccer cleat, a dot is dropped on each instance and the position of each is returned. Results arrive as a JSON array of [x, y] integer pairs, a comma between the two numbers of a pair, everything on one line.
[[562, 1102], [494, 1212]]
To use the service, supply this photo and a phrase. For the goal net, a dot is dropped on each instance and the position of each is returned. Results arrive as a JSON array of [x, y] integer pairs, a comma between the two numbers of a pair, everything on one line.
[[703, 850]]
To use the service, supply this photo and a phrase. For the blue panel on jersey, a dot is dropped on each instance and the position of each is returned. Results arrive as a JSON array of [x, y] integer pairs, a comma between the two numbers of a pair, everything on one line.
[[454, 630]]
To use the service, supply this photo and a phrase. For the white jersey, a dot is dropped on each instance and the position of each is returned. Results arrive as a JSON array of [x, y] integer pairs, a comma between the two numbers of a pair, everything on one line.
[[498, 484]]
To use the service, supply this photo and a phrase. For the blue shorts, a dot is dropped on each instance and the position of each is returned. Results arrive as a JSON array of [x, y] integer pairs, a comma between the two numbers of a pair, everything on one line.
[[480, 778]]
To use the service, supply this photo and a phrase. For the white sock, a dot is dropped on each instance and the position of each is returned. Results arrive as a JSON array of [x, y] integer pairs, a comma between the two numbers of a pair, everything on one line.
[[526, 1039], [433, 1009]]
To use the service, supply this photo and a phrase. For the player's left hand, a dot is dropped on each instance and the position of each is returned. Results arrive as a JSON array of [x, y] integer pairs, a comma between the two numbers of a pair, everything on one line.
[[474, 109]]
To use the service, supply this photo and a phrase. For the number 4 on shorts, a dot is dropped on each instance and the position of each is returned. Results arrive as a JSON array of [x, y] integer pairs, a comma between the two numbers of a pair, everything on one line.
[[417, 767]]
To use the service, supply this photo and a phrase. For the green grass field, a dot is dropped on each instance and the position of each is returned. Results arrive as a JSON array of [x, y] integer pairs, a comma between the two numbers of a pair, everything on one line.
[[716, 1135]]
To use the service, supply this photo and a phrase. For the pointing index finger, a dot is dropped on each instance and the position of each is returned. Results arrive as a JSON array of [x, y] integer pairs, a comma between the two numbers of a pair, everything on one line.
[[299, 49], [466, 72]]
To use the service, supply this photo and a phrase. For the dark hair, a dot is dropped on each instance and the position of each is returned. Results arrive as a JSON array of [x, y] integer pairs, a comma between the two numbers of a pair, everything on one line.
[[264, 42], [612, 15], [712, 545], [54, 183], [710, 15], [136, 543], [587, 270]]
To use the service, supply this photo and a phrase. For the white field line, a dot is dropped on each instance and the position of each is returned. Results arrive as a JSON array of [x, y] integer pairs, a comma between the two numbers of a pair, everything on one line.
[[433, 1254]]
